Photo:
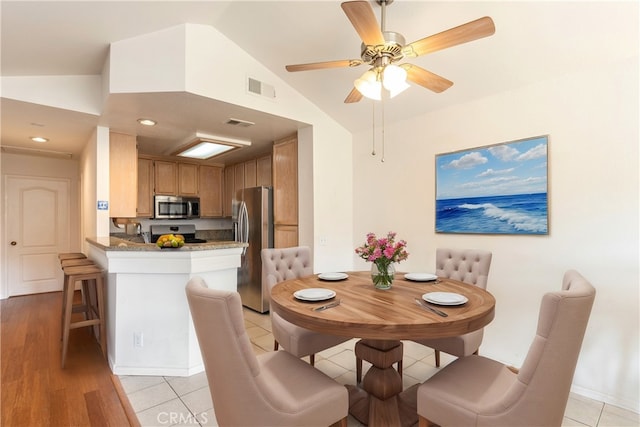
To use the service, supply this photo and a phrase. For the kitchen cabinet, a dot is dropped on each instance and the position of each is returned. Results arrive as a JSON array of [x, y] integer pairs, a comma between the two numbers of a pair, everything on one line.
[[229, 186], [145, 188], [238, 178], [187, 179], [165, 177], [175, 178], [285, 191], [250, 173], [210, 183], [263, 171], [285, 236], [123, 174]]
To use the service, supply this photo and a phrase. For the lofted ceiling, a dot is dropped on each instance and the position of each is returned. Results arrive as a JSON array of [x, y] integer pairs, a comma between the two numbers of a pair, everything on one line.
[[534, 41]]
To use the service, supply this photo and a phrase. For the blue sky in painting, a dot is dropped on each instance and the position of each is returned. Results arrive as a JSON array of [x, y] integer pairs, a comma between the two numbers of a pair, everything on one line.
[[518, 167]]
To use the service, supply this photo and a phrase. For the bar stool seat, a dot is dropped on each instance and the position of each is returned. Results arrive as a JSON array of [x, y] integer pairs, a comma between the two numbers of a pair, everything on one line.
[[92, 305], [71, 255], [75, 262]]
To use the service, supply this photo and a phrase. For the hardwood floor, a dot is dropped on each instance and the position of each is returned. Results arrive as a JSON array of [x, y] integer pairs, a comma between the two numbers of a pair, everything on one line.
[[35, 390]]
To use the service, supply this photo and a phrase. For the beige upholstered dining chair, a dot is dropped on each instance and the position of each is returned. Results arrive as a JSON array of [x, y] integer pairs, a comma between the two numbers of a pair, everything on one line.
[[272, 389], [476, 391], [283, 264], [470, 266]]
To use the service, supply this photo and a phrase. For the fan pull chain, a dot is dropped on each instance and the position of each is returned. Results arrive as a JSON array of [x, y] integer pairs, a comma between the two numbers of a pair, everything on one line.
[[382, 110], [373, 136]]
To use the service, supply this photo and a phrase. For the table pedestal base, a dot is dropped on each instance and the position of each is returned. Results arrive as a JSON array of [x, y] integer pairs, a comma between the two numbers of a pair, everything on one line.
[[380, 401]]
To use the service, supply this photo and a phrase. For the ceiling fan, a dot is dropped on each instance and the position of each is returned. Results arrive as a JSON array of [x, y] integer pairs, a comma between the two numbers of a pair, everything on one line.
[[382, 49]]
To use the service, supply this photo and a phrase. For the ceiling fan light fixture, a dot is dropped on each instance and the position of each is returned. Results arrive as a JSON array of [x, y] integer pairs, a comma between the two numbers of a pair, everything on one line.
[[394, 79], [369, 85]]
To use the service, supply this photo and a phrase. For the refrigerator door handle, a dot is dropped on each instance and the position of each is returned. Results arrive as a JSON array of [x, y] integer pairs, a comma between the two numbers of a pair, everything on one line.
[[244, 226]]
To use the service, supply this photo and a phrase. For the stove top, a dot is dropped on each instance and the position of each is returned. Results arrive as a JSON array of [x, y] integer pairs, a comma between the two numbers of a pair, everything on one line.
[[188, 231], [193, 240]]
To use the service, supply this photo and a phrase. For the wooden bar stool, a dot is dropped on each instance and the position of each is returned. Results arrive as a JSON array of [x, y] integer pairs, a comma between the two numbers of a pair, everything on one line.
[[75, 262], [92, 306], [71, 255], [70, 262]]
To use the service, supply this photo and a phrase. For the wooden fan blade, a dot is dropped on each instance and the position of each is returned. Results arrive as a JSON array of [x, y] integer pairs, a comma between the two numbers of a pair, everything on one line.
[[464, 33], [361, 15], [323, 65], [426, 78], [354, 96]]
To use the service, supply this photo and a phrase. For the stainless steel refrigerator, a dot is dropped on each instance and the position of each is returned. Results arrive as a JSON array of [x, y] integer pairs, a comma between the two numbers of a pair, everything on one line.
[[253, 224]]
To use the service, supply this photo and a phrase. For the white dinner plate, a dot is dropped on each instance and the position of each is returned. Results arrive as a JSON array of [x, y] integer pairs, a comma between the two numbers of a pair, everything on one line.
[[314, 294], [332, 276], [421, 277], [444, 298]]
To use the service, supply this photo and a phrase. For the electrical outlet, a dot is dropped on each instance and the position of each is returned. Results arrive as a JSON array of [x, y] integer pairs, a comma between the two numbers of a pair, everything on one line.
[[138, 339], [323, 241]]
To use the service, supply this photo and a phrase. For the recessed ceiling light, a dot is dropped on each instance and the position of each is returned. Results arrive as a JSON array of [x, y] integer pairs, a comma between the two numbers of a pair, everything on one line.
[[39, 139], [147, 122]]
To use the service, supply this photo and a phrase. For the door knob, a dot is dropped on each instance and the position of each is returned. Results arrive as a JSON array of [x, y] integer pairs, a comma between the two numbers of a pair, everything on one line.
[[13, 243]]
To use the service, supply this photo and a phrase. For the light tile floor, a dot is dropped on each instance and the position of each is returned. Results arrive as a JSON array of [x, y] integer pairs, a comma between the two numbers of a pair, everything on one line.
[[167, 401]]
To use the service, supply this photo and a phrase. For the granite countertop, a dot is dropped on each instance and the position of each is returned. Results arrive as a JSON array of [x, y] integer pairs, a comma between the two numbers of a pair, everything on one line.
[[113, 243]]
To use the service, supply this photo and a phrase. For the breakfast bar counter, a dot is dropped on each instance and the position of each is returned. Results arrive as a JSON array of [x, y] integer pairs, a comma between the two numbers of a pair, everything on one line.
[[149, 327]]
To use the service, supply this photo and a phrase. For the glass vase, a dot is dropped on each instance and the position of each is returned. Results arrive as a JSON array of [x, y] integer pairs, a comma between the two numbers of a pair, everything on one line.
[[382, 275]]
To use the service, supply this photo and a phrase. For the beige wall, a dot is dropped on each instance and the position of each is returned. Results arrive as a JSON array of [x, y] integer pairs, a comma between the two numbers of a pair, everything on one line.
[[593, 211], [94, 185]]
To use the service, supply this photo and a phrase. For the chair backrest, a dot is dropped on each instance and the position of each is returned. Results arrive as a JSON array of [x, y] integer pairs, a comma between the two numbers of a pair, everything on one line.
[[467, 265], [228, 356], [540, 395], [280, 264]]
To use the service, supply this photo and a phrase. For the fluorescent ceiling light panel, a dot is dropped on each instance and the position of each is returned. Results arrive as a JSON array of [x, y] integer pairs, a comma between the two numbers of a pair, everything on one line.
[[205, 150], [202, 146]]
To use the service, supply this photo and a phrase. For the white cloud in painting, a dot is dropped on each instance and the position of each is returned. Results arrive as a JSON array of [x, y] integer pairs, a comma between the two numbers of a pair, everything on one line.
[[493, 172], [535, 153], [503, 152], [467, 161]]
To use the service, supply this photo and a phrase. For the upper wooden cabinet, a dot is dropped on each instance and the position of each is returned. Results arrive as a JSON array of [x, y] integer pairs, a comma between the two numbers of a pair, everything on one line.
[[187, 179], [210, 183], [238, 178], [166, 178], [145, 188], [123, 175], [229, 186], [176, 179], [285, 181], [250, 179], [263, 171]]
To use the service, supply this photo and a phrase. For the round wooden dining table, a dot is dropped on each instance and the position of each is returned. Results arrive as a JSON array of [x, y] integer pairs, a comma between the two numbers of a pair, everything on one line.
[[382, 318]]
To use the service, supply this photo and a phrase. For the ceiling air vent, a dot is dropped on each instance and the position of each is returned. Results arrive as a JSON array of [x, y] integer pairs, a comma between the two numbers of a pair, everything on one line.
[[239, 123], [260, 88]]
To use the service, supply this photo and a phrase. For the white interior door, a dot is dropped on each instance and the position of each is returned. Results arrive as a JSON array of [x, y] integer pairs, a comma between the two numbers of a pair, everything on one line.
[[38, 227]]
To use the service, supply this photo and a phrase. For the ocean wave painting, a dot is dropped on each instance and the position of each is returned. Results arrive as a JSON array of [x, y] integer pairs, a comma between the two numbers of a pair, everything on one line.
[[498, 189]]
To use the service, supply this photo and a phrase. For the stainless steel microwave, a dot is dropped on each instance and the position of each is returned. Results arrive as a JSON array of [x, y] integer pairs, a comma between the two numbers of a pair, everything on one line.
[[172, 207]]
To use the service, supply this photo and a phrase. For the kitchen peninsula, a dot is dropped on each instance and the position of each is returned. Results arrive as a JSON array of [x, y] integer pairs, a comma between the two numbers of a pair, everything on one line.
[[149, 327]]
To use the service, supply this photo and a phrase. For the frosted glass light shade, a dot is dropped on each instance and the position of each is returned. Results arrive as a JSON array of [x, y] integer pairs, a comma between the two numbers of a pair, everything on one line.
[[394, 79], [369, 86]]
